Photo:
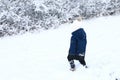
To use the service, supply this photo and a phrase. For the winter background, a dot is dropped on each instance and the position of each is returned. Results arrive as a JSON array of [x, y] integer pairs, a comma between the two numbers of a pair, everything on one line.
[[40, 53], [21, 16]]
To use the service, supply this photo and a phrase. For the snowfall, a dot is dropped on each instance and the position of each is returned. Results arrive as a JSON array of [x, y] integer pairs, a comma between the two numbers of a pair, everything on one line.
[[43, 55]]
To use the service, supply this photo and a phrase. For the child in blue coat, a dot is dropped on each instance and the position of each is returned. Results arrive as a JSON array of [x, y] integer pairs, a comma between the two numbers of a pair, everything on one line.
[[77, 48]]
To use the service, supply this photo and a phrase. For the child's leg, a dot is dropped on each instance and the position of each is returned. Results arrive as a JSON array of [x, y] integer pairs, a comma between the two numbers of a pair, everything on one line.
[[72, 65], [71, 60], [82, 60]]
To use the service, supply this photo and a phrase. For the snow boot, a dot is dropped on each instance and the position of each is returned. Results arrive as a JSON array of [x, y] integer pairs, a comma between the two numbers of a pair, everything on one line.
[[85, 66], [72, 65]]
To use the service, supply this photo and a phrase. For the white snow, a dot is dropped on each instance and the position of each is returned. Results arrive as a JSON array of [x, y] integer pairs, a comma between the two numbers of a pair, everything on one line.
[[43, 56]]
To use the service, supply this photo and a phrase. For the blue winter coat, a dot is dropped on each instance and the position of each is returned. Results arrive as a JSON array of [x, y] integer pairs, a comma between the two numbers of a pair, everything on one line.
[[78, 42]]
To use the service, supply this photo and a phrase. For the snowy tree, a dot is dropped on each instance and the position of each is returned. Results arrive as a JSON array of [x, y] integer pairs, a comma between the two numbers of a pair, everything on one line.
[[19, 16]]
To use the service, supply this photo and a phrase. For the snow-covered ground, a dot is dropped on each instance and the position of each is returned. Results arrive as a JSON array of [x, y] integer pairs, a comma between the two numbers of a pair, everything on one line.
[[42, 56]]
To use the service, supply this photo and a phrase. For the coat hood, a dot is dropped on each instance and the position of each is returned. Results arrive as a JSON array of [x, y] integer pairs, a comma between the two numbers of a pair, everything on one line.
[[79, 33]]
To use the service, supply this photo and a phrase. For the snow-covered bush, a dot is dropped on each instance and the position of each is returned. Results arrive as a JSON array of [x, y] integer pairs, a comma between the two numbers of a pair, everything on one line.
[[113, 7], [13, 19], [19, 16], [99, 8]]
